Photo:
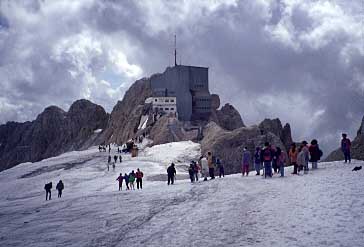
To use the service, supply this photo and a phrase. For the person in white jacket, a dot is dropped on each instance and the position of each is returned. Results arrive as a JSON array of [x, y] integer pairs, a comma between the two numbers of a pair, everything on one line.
[[204, 167]]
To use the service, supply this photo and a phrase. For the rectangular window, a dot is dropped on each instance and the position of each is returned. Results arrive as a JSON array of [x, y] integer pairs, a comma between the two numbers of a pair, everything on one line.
[[166, 109], [172, 109], [167, 101], [172, 100]]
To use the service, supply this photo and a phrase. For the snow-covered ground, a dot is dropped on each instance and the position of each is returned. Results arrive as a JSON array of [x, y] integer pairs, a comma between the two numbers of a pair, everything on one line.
[[323, 208]]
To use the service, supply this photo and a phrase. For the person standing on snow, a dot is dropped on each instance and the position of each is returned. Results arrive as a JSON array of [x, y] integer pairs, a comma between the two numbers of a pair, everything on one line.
[[132, 180], [48, 188], [196, 169], [171, 172], [60, 187], [257, 160], [126, 178], [139, 179], [345, 148], [108, 162], [306, 155], [293, 152], [315, 153], [120, 179], [220, 166], [210, 162], [300, 160], [267, 156], [120, 159], [115, 158], [275, 159], [282, 159], [191, 172], [246, 161], [204, 167]]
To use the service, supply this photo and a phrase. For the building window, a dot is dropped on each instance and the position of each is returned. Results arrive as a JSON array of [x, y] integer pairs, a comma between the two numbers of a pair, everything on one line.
[[166, 109], [167, 101], [156, 100], [161, 109], [172, 100], [172, 109]]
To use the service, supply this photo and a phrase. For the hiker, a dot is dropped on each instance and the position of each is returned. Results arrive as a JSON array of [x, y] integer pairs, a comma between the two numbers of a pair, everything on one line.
[[115, 158], [345, 148], [60, 187], [191, 172], [113, 166], [246, 161], [306, 155], [315, 153], [293, 152], [275, 159], [204, 167], [118, 149], [210, 162], [120, 179], [282, 159], [300, 160], [120, 158], [220, 167], [196, 169], [266, 157], [171, 171], [132, 180], [48, 188], [126, 178], [139, 179], [257, 160], [108, 163], [109, 148]]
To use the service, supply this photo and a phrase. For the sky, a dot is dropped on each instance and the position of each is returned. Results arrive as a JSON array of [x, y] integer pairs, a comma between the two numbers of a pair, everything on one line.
[[299, 60]]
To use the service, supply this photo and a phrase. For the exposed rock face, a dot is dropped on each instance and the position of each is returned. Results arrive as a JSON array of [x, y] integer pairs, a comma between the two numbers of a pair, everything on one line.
[[229, 145], [229, 118], [275, 126], [357, 147], [53, 132], [126, 115]]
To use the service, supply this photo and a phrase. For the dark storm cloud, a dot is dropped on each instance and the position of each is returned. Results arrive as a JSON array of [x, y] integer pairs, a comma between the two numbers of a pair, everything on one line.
[[301, 61]]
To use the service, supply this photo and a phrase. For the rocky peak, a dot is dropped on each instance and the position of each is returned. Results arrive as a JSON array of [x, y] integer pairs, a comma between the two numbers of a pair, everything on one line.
[[275, 126]]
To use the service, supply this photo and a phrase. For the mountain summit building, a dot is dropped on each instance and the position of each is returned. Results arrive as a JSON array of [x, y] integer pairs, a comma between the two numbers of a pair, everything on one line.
[[190, 86]]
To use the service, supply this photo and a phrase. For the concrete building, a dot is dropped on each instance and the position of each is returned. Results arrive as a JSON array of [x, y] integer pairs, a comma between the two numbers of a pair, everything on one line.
[[190, 86], [167, 105]]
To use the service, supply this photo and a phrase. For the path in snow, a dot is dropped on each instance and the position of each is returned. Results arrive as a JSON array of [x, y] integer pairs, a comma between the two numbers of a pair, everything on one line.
[[324, 208]]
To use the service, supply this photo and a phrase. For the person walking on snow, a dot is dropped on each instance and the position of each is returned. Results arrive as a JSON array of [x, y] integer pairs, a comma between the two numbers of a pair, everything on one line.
[[171, 172], [306, 155], [196, 169], [60, 187], [315, 153], [257, 160], [275, 159], [210, 162], [48, 188], [293, 152], [266, 157], [220, 166], [126, 178], [246, 161], [204, 167], [115, 158], [139, 179], [345, 148], [120, 179], [191, 172], [300, 160], [120, 159], [282, 159], [132, 180], [108, 162]]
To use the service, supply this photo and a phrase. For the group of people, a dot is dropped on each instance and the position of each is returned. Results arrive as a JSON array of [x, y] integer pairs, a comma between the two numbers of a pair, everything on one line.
[[48, 189], [130, 179], [113, 164]]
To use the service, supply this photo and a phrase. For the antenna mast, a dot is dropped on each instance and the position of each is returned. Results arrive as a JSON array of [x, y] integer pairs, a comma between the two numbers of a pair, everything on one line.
[[175, 51]]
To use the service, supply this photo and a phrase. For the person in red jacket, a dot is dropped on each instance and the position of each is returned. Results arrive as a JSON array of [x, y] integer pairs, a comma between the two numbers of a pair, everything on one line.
[[345, 147], [120, 179], [139, 179]]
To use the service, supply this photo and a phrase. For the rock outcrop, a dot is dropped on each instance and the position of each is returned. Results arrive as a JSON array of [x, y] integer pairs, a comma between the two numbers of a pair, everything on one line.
[[275, 126], [357, 147], [53, 132], [126, 115], [229, 145]]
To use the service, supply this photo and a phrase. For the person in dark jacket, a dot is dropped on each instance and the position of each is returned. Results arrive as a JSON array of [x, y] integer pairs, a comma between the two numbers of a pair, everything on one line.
[[48, 188], [139, 179], [108, 162], [115, 158], [345, 148], [126, 178], [315, 153], [60, 187], [267, 157], [171, 171], [120, 158], [191, 172], [120, 179], [257, 160], [220, 166], [276, 153]]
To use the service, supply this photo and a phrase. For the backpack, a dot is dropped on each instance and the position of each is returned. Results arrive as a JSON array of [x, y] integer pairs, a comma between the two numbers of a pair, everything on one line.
[[320, 153], [267, 155]]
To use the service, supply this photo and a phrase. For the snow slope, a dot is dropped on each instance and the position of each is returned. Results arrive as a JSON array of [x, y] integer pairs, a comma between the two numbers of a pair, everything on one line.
[[323, 208]]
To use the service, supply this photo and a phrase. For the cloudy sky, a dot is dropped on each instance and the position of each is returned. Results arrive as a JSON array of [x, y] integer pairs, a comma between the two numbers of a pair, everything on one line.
[[299, 60]]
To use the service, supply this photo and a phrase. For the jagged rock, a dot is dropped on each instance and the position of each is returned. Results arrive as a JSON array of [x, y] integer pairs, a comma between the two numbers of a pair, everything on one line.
[[275, 126], [126, 115], [229, 118], [53, 132], [228, 145], [215, 101], [357, 147]]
